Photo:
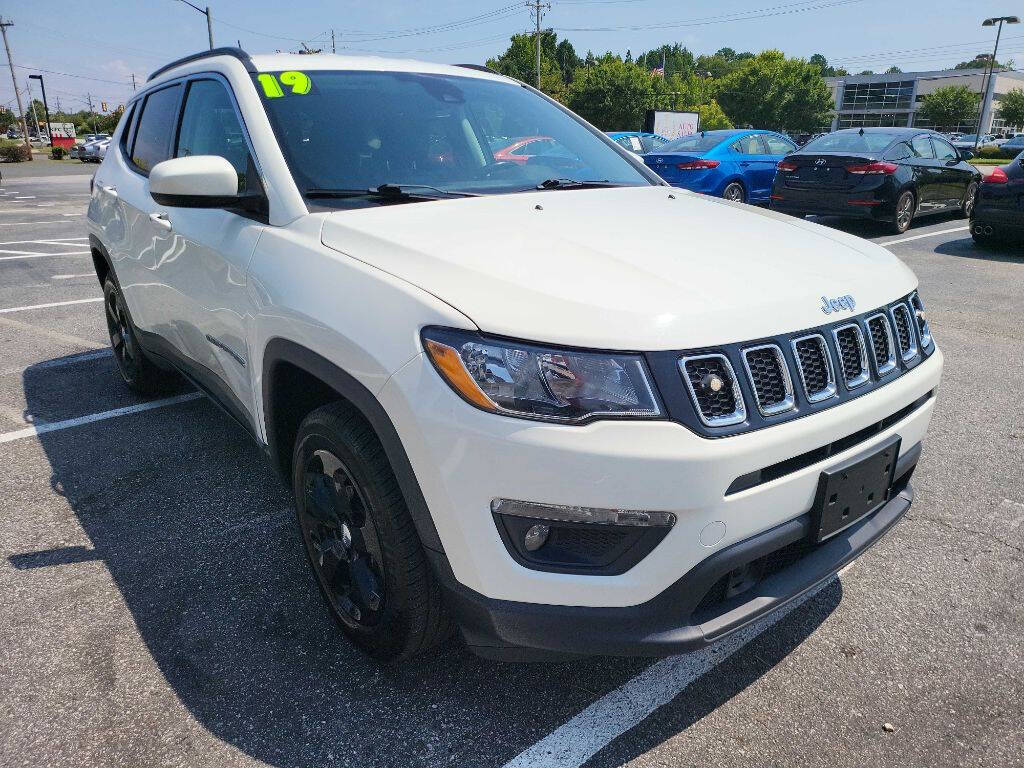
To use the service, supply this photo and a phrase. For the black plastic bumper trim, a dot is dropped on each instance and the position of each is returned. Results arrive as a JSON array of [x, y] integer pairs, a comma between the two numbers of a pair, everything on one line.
[[516, 631]]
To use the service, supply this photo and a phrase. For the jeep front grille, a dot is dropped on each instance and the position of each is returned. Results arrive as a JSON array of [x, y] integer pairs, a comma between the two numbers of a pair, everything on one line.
[[902, 322], [882, 346], [814, 364], [853, 357], [769, 377], [924, 332], [715, 389]]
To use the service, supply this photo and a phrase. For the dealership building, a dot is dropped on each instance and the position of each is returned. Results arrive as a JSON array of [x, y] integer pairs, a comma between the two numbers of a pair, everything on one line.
[[893, 99]]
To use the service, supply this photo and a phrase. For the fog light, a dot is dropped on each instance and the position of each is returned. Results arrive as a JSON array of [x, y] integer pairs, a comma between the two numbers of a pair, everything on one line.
[[535, 537]]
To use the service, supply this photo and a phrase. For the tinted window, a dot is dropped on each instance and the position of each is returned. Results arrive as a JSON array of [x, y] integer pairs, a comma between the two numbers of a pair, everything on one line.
[[209, 126], [356, 130], [156, 125], [852, 141], [922, 147], [749, 145], [899, 152], [944, 151], [652, 143], [698, 142], [777, 145], [128, 135]]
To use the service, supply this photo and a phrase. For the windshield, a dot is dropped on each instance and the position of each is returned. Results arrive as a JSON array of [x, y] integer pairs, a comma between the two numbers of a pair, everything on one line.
[[355, 130], [854, 141], [698, 142], [969, 137]]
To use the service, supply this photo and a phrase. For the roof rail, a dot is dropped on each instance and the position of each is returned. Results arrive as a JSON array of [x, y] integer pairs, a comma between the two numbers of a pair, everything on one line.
[[479, 68], [237, 53]]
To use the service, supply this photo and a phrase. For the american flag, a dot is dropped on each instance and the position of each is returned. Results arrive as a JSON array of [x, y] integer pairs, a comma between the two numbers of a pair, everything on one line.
[[658, 71]]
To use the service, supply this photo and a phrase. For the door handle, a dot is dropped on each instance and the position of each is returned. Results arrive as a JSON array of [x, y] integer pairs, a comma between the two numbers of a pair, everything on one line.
[[110, 189], [160, 219]]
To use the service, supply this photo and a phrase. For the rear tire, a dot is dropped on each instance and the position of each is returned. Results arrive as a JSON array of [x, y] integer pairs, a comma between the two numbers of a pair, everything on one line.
[[136, 369], [734, 191], [970, 197], [906, 207], [360, 540]]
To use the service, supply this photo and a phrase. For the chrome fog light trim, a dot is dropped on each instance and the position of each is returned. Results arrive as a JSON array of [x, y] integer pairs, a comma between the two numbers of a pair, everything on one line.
[[569, 514]]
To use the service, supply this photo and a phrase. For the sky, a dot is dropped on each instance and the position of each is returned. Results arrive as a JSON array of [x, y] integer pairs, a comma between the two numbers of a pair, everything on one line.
[[93, 48]]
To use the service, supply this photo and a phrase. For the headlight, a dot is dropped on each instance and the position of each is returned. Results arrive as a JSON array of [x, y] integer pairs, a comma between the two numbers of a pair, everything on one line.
[[519, 379]]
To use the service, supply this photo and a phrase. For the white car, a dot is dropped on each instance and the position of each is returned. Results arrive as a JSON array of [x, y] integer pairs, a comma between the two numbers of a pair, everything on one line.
[[967, 141], [557, 404], [94, 151]]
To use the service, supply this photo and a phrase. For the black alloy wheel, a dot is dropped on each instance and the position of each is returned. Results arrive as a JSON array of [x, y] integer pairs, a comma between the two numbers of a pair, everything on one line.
[[360, 540], [136, 369], [342, 541]]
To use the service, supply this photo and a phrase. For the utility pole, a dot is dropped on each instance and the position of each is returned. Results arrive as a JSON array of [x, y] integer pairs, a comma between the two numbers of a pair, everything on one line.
[[32, 107], [209, 19], [92, 114], [333, 49], [133, 81], [999, 20], [14, 81], [538, 8], [46, 107]]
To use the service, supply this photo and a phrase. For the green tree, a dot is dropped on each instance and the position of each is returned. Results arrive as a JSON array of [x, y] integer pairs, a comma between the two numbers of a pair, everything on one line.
[[1011, 108], [520, 61], [949, 106], [894, 70], [612, 94], [827, 70], [771, 91], [712, 118], [568, 61], [677, 58]]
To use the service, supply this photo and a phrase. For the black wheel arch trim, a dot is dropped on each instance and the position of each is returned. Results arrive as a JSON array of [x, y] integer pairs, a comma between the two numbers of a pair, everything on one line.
[[278, 351]]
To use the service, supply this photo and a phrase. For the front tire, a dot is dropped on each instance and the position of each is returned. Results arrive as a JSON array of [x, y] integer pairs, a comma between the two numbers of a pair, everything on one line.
[[734, 191], [360, 540], [136, 369], [905, 209]]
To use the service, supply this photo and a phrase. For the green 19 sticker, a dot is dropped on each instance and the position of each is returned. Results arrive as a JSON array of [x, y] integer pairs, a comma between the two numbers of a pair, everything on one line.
[[298, 82]]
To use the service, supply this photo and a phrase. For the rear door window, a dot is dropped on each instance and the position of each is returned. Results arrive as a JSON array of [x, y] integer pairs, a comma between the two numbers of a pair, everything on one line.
[[778, 145], [922, 147], [749, 145], [898, 152], [152, 143]]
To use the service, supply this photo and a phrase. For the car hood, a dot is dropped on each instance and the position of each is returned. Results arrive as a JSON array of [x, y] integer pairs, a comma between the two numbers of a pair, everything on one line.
[[645, 268]]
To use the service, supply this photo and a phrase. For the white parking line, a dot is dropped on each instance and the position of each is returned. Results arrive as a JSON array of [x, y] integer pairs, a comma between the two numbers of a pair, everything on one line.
[[926, 234], [34, 223], [60, 361], [23, 255], [51, 304], [48, 241], [572, 744], [68, 277], [56, 426]]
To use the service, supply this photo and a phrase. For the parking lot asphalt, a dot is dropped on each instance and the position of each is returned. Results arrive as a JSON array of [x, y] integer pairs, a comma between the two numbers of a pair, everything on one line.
[[156, 609]]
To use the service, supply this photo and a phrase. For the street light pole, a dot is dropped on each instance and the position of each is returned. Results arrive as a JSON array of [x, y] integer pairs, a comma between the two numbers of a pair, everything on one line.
[[209, 19], [1000, 20], [14, 81], [46, 107]]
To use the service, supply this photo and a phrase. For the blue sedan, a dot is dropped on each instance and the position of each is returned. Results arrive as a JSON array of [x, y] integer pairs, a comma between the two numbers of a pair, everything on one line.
[[737, 165], [638, 141]]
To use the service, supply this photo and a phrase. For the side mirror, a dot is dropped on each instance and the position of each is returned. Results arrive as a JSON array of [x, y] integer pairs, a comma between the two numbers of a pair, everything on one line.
[[966, 154], [199, 181]]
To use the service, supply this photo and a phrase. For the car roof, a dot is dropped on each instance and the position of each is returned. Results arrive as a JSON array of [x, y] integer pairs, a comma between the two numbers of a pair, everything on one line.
[[276, 62], [897, 131]]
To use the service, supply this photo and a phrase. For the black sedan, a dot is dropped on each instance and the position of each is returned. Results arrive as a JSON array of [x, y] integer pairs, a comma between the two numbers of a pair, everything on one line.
[[890, 175], [999, 210]]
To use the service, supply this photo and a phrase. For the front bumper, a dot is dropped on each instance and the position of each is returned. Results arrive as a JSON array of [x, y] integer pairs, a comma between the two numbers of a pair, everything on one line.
[[680, 618]]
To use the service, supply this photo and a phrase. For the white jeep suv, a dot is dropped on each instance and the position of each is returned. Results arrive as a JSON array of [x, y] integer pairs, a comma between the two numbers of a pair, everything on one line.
[[542, 398]]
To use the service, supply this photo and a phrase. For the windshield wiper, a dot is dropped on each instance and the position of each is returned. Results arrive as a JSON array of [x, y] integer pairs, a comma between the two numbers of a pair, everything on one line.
[[576, 184], [389, 192]]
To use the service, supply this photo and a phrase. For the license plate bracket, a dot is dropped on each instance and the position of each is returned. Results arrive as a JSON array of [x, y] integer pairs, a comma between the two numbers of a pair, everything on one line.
[[854, 489]]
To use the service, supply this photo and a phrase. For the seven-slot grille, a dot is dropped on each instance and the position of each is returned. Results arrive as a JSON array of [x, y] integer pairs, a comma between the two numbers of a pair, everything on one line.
[[894, 334], [815, 367], [904, 335], [882, 344], [769, 376], [714, 388]]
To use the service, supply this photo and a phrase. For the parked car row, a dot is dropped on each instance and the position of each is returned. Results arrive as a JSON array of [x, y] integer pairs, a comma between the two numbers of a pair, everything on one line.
[[998, 213]]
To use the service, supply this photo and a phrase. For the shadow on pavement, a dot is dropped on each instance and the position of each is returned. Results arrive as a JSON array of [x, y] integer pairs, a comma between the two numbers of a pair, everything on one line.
[[198, 535], [966, 248]]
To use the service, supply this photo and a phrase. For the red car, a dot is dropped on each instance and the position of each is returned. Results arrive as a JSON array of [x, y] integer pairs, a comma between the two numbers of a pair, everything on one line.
[[521, 150]]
